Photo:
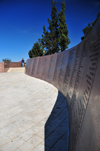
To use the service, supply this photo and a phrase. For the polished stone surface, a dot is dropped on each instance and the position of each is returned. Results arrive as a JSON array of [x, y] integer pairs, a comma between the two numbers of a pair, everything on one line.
[[31, 112], [76, 74]]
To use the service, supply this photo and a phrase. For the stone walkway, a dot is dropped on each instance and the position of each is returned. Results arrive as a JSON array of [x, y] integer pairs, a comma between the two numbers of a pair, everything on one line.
[[31, 114]]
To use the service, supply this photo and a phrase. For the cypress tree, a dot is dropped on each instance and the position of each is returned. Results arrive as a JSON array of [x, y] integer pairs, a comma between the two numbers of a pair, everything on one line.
[[63, 31], [50, 38], [88, 28], [45, 39], [35, 51]]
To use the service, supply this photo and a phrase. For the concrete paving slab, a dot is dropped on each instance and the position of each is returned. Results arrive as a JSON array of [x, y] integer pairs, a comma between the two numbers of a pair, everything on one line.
[[28, 107]]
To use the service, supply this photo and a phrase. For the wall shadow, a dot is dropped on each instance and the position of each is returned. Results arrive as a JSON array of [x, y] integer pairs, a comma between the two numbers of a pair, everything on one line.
[[57, 126]]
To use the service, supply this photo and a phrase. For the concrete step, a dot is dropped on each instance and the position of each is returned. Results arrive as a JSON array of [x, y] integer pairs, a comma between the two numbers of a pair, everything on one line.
[[17, 69]]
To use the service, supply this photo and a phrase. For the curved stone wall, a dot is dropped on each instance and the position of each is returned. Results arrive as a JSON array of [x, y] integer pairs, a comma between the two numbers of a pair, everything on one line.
[[76, 74]]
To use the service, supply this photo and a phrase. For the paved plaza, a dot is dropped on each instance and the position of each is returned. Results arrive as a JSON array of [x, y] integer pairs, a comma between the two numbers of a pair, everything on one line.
[[33, 114]]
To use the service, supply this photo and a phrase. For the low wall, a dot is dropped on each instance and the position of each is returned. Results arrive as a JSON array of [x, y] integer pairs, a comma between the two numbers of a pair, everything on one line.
[[1, 67], [12, 64], [4, 66], [76, 74]]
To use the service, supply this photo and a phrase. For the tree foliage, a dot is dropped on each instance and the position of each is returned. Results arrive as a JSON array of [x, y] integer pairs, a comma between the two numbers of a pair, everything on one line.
[[88, 28], [63, 31], [40, 44], [45, 38], [50, 36], [35, 51], [6, 60], [55, 37]]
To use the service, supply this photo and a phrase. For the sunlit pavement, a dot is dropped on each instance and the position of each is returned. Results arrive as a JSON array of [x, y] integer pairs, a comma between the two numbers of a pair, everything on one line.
[[28, 108]]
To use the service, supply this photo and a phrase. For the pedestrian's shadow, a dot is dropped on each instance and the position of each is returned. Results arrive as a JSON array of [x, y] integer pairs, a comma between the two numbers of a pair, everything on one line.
[[57, 126]]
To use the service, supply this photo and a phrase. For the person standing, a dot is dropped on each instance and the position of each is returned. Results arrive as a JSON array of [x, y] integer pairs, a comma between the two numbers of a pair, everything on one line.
[[22, 62]]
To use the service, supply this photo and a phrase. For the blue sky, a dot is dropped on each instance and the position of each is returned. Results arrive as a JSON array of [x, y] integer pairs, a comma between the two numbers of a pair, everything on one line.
[[21, 23]]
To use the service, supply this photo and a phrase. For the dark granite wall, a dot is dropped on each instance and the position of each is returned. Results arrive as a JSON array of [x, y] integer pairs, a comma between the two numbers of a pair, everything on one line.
[[76, 74]]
